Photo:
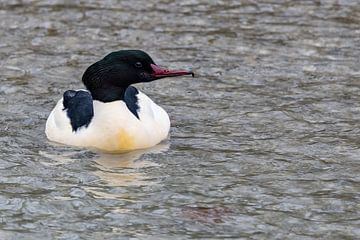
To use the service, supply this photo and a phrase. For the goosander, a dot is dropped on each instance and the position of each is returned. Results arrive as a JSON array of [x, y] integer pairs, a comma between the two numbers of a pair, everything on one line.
[[111, 115]]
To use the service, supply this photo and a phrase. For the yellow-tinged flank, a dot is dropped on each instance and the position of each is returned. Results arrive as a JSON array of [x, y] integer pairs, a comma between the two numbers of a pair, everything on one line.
[[125, 141]]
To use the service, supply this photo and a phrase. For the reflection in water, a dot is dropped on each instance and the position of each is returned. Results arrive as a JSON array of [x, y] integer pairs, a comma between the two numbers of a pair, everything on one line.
[[126, 169], [207, 215], [112, 170], [58, 158]]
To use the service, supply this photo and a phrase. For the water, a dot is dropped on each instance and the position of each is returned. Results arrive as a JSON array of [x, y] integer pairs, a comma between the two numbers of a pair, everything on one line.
[[264, 141]]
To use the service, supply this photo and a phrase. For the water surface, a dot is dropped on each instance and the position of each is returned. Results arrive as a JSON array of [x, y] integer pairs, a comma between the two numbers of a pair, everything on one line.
[[264, 141]]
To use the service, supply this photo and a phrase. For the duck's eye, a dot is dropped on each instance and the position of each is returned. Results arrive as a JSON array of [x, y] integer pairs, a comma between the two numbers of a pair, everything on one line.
[[138, 64]]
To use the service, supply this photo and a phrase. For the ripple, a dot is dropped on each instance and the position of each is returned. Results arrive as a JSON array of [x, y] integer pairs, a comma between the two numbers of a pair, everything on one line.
[[264, 141]]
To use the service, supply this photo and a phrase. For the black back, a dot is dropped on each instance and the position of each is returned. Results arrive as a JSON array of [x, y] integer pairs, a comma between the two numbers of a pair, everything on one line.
[[79, 107], [131, 100]]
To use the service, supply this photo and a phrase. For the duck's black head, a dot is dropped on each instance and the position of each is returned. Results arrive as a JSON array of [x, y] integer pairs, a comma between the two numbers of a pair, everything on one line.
[[108, 78]]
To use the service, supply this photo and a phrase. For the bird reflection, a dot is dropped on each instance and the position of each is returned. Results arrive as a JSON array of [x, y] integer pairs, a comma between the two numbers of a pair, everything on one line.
[[121, 170]]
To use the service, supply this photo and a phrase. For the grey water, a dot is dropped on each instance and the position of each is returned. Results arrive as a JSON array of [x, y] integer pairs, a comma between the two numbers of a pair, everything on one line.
[[264, 141]]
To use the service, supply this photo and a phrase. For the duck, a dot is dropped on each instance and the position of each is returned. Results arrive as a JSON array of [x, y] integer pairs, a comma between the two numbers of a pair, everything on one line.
[[112, 115]]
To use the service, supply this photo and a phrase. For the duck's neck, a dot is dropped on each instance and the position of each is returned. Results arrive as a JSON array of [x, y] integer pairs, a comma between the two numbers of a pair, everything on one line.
[[108, 94]]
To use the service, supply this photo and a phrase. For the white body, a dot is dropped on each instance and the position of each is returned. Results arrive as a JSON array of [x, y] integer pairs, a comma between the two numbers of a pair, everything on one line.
[[113, 128]]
